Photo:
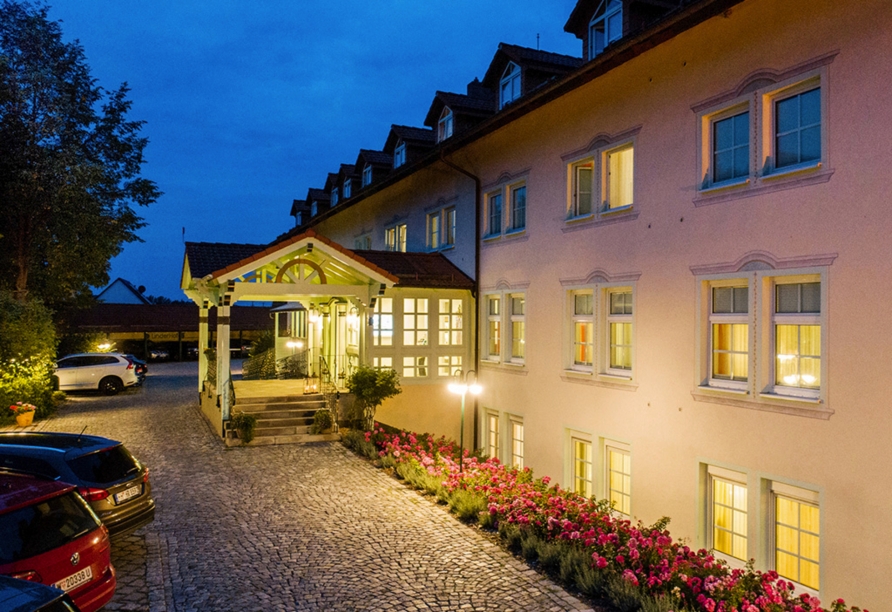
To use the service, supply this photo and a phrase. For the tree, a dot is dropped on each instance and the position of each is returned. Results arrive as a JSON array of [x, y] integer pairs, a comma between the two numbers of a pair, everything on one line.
[[70, 163], [27, 350], [371, 387]]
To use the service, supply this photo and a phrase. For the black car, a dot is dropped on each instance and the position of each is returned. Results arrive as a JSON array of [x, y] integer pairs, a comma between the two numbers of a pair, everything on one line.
[[112, 481], [24, 596]]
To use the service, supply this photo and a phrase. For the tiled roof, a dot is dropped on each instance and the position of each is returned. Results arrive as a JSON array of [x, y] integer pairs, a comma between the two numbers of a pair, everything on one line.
[[430, 270], [459, 103], [376, 158], [298, 205], [544, 61], [331, 181], [112, 318], [423, 137], [347, 170], [318, 194], [208, 257]]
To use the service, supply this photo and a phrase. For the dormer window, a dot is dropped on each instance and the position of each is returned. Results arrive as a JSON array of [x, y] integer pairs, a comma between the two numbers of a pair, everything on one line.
[[334, 196], [606, 26], [314, 209], [298, 219], [444, 127], [348, 187], [510, 85], [367, 175], [399, 155]]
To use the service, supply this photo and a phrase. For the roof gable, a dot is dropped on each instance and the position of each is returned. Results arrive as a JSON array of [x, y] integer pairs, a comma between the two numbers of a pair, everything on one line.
[[528, 59], [422, 137]]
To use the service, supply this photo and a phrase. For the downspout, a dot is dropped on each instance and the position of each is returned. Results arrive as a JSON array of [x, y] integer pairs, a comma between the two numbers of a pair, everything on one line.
[[474, 292]]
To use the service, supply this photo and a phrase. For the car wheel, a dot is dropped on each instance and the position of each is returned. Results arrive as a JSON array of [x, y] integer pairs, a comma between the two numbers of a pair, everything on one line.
[[111, 385]]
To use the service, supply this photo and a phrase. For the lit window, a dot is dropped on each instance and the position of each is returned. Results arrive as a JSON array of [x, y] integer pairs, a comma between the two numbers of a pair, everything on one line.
[[731, 147], [334, 196], [797, 534], [728, 512], [444, 126], [382, 322], [619, 181], [492, 434], [450, 322], [729, 334], [619, 326], [516, 426], [518, 327], [448, 365], [582, 177], [449, 226], [518, 217], [415, 322], [367, 175], [606, 26], [348, 186], [797, 333], [583, 326], [415, 367], [494, 216], [618, 478], [433, 230], [582, 466], [797, 125], [401, 235], [494, 327], [510, 85], [395, 238], [399, 155], [382, 363]]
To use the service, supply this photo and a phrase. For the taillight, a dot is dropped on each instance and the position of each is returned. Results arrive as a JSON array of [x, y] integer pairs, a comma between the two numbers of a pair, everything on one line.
[[30, 576], [91, 494], [129, 365], [145, 477]]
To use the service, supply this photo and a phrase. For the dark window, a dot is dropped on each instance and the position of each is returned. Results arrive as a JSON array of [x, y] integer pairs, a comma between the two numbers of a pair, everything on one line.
[[104, 467], [798, 128], [42, 527], [29, 465]]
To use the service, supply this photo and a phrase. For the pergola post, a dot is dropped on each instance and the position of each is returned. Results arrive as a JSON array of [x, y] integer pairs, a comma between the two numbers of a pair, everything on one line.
[[202, 344], [223, 358]]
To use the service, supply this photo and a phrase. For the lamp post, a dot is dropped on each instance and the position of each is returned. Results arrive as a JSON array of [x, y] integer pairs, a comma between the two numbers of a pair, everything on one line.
[[461, 385]]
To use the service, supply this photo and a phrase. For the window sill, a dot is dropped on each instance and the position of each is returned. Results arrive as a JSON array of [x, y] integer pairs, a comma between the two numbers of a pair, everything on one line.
[[725, 186], [721, 389], [607, 381], [516, 233], [767, 402], [608, 217], [505, 367], [581, 218], [796, 170], [788, 178], [619, 210]]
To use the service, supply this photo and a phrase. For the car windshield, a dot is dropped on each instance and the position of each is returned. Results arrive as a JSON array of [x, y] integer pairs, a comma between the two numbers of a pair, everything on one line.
[[39, 528], [105, 466]]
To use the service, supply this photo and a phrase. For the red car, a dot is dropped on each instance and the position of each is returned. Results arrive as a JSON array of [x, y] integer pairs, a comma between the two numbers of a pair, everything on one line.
[[49, 534]]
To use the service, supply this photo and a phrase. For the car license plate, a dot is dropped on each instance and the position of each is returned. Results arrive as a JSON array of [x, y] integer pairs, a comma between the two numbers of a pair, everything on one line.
[[75, 580], [127, 494]]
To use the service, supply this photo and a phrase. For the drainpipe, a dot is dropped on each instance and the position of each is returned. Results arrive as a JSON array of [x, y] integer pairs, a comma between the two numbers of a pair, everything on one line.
[[474, 291]]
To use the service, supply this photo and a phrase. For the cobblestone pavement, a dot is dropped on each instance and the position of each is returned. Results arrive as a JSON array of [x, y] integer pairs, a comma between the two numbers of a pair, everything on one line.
[[293, 527]]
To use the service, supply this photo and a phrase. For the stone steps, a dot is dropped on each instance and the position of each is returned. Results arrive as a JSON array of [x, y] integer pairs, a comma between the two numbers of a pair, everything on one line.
[[283, 419]]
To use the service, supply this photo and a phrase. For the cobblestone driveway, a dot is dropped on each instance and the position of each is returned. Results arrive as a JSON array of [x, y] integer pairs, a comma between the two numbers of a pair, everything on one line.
[[295, 527]]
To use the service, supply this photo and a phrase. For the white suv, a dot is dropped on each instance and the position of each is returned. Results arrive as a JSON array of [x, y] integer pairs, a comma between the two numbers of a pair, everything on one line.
[[107, 372]]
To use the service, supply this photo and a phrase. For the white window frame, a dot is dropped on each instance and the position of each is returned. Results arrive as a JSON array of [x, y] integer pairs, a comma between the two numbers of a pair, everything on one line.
[[770, 101], [416, 313], [334, 196], [440, 226], [583, 478], [517, 215], [737, 479], [612, 446], [399, 154], [492, 432], [801, 496], [434, 231], [382, 363], [495, 201], [416, 366], [450, 322], [603, 18], [798, 319], [734, 318], [574, 211], [348, 187], [445, 125], [510, 85], [516, 437], [575, 319], [382, 335], [395, 237], [449, 222], [363, 242], [608, 205], [367, 175], [609, 319], [514, 319], [491, 318], [709, 123], [448, 365]]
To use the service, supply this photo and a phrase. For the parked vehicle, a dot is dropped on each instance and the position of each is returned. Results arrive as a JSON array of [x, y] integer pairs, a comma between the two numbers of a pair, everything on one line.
[[158, 354], [23, 596], [106, 372], [114, 482], [140, 366], [51, 536]]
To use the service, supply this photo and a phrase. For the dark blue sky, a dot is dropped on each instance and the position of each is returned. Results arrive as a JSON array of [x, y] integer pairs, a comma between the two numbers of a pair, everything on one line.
[[248, 104]]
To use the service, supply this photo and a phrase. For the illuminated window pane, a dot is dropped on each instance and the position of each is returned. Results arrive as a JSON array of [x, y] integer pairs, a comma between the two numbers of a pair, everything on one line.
[[450, 322], [492, 435], [448, 365], [729, 518], [798, 356], [619, 177], [582, 467], [619, 478], [797, 541], [516, 444], [382, 323]]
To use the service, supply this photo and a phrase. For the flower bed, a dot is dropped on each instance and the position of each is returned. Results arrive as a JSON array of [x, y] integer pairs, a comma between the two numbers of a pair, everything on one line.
[[579, 540]]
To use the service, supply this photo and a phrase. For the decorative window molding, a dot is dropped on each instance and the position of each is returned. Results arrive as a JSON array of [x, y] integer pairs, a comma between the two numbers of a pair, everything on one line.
[[768, 134]]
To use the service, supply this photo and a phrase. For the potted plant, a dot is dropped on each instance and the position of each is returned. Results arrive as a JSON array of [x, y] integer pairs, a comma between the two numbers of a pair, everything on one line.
[[244, 424], [24, 413], [322, 422]]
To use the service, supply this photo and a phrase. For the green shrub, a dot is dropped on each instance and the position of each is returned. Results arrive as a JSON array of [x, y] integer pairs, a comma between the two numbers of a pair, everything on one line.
[[322, 420], [661, 603], [245, 424], [573, 562], [487, 521], [550, 554], [511, 536], [466, 505], [387, 461], [624, 595], [529, 545], [371, 387], [27, 354]]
